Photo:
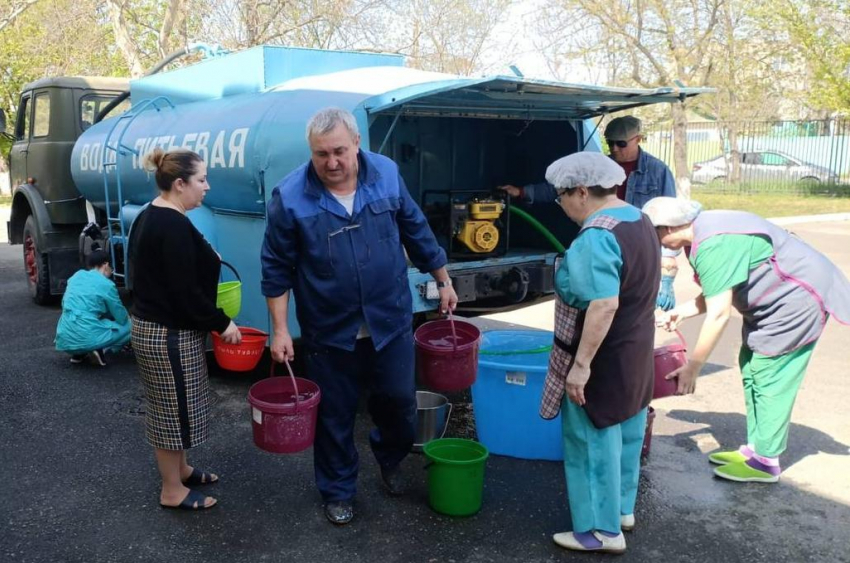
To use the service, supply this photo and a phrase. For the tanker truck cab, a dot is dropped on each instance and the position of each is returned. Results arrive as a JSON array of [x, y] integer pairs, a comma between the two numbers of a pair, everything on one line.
[[48, 212]]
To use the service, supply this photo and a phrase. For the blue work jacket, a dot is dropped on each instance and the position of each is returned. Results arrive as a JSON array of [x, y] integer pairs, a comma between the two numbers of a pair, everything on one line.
[[346, 270], [650, 179]]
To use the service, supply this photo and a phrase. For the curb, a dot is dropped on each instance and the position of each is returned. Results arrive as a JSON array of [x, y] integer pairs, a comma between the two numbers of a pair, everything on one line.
[[828, 217]]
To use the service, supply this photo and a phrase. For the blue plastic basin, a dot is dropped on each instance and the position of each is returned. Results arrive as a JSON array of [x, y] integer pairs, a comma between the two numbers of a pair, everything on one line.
[[506, 396]]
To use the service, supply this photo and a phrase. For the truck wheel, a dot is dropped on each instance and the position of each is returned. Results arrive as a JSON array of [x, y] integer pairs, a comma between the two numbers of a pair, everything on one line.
[[35, 265]]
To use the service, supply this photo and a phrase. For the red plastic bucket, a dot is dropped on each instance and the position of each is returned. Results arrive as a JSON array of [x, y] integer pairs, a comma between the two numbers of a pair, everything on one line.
[[240, 357], [668, 359], [446, 355], [647, 436], [284, 411]]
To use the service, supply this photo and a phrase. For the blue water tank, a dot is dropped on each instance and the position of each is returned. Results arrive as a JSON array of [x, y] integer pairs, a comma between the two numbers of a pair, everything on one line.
[[512, 366], [237, 113], [249, 142]]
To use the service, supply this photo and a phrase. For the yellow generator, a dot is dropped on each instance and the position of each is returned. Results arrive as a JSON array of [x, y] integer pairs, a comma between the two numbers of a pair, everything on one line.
[[474, 224]]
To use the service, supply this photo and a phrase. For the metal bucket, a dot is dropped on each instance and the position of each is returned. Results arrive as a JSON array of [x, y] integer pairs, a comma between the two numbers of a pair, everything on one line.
[[432, 416]]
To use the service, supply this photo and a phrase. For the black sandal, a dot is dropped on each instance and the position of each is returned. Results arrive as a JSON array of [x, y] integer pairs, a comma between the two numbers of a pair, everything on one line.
[[193, 501], [199, 477]]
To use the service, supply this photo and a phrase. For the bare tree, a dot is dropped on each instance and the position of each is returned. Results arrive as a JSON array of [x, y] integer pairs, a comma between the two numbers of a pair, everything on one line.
[[238, 24], [123, 38], [144, 32], [649, 43], [751, 73], [442, 35], [14, 9], [447, 35]]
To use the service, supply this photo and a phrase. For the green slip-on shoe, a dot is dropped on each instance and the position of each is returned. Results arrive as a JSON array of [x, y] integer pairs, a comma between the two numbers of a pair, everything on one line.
[[743, 473], [722, 458]]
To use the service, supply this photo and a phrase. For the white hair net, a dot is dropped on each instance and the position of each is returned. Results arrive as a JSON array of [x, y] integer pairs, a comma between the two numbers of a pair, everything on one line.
[[585, 169], [672, 211]]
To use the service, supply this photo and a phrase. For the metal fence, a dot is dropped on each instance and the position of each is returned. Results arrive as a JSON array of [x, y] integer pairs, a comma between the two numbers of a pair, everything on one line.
[[806, 157]]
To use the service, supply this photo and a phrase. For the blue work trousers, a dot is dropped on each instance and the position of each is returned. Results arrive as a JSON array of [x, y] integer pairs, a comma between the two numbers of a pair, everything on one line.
[[602, 467], [388, 374]]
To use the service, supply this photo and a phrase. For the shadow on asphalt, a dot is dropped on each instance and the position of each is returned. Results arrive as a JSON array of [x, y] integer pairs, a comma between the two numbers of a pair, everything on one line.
[[729, 429]]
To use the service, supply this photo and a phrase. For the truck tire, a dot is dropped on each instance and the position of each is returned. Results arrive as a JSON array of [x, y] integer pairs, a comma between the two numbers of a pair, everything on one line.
[[35, 265]]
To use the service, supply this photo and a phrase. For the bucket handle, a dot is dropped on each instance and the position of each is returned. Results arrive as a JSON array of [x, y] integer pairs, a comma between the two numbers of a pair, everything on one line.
[[232, 269], [294, 383], [682, 339], [448, 418], [452, 324]]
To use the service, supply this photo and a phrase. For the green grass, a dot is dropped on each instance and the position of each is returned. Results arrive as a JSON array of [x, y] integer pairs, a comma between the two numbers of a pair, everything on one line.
[[773, 205], [5, 200]]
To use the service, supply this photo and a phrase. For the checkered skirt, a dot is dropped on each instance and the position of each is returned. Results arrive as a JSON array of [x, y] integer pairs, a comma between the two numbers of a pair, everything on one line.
[[173, 369]]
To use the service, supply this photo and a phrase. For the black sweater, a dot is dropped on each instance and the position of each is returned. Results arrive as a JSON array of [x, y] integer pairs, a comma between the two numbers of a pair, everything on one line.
[[174, 272]]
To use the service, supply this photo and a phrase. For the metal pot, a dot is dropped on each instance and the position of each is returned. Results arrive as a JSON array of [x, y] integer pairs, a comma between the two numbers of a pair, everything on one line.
[[432, 416]]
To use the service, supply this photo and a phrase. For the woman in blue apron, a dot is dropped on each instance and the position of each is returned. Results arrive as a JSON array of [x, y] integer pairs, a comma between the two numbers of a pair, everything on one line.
[[784, 289], [601, 367]]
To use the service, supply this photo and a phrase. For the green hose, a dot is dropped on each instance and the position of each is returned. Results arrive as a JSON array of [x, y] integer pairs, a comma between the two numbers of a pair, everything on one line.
[[538, 226]]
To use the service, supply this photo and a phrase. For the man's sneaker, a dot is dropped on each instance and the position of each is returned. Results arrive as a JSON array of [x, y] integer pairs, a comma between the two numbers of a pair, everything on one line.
[[627, 522], [97, 357], [751, 471], [339, 512], [78, 358], [393, 481], [722, 458]]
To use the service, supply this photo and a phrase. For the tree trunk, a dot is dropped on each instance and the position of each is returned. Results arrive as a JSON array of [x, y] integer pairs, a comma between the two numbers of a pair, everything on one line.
[[14, 10], [734, 153], [680, 150], [173, 19], [123, 39], [249, 20]]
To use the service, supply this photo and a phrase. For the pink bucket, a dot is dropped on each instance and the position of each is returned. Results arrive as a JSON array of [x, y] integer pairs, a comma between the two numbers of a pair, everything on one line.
[[447, 354], [668, 359], [284, 412]]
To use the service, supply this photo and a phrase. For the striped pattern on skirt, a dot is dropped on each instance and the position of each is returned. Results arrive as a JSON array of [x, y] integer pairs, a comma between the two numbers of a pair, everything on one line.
[[173, 369]]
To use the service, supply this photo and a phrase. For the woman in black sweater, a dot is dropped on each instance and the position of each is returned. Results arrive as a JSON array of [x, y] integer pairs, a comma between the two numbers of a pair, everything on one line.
[[175, 278]]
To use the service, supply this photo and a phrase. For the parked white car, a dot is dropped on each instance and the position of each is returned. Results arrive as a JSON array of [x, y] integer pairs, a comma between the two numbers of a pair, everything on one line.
[[771, 165]]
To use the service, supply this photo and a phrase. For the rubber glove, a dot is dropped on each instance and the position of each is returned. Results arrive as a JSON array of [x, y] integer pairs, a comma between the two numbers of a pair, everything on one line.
[[666, 299]]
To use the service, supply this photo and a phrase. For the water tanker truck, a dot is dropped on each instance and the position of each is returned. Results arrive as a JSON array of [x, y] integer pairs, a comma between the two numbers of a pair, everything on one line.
[[77, 179]]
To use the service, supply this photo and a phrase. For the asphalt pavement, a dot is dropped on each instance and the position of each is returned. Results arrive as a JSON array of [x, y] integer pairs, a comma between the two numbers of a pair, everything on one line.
[[81, 485]]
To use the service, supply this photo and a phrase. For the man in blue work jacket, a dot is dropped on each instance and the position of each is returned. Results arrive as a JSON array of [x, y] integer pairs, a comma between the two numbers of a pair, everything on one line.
[[646, 178], [337, 231]]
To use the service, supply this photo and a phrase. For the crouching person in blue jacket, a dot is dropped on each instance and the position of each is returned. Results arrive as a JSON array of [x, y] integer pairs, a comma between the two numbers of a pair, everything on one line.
[[93, 318], [337, 230]]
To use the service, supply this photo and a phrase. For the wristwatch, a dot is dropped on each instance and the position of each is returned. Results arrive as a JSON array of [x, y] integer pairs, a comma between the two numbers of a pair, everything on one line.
[[442, 284]]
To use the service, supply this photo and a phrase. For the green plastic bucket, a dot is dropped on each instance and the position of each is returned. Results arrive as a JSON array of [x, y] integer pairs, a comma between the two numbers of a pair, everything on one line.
[[229, 298], [455, 475]]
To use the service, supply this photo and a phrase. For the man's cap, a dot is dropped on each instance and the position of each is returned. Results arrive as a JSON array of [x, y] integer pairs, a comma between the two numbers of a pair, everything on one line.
[[623, 128]]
